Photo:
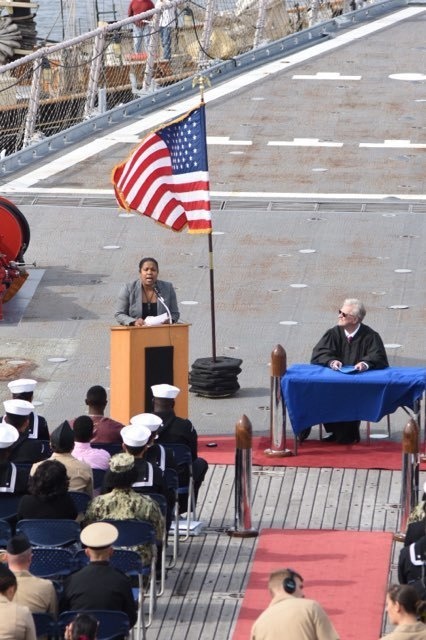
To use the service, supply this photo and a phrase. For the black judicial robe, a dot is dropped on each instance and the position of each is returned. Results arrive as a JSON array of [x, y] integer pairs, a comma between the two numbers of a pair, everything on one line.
[[366, 346]]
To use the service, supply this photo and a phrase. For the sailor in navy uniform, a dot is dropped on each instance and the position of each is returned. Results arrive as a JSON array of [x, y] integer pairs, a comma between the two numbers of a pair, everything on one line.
[[136, 441], [178, 430], [155, 453], [24, 450], [13, 479], [23, 389]]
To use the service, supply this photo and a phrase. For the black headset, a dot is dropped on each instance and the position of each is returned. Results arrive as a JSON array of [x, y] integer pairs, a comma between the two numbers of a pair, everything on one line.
[[289, 583]]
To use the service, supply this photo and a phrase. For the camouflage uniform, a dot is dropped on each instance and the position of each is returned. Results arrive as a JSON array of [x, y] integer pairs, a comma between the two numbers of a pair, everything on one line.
[[418, 513], [126, 504]]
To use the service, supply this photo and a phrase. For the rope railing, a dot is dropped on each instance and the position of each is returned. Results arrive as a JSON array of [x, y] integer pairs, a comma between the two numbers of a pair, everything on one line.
[[58, 86]]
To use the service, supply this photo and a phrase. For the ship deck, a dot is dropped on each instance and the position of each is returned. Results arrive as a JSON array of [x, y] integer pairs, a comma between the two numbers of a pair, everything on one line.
[[317, 170]]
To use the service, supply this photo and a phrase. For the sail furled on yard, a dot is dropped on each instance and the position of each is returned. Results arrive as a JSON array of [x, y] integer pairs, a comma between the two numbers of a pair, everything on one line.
[[166, 176]]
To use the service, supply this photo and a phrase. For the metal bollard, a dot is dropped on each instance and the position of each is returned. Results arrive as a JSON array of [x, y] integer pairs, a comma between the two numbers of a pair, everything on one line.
[[243, 453], [277, 425], [409, 474]]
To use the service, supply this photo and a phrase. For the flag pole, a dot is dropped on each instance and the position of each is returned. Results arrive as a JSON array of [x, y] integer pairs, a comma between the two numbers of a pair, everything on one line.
[[202, 81]]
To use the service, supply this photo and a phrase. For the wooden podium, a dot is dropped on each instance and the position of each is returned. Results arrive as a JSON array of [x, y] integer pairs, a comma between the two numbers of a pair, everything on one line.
[[142, 357]]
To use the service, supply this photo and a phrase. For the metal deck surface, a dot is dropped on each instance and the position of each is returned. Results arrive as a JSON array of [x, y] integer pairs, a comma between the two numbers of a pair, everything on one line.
[[297, 228]]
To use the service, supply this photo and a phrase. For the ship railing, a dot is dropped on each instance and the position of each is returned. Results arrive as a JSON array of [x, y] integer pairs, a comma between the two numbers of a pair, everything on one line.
[[67, 83]]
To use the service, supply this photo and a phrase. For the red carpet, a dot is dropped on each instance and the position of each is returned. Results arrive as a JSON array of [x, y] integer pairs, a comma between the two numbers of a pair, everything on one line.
[[380, 454], [338, 571]]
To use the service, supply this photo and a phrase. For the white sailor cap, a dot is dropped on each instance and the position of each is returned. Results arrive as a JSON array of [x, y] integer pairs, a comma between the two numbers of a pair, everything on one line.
[[23, 385], [135, 435], [18, 407], [8, 435], [164, 391], [148, 420]]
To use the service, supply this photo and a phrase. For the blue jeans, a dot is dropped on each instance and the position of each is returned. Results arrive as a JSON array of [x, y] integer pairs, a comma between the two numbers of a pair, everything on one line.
[[166, 41], [138, 36]]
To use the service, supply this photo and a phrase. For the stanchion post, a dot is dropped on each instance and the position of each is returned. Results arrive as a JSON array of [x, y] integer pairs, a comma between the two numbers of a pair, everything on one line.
[[409, 474], [277, 418], [243, 453]]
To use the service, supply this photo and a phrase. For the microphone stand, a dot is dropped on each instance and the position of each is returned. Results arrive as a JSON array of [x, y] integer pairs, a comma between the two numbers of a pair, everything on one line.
[[161, 299]]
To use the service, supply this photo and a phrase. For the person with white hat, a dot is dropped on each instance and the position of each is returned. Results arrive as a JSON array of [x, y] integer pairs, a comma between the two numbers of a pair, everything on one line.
[[178, 430], [135, 441], [99, 585], [136, 437], [13, 479], [25, 449], [23, 389], [156, 454]]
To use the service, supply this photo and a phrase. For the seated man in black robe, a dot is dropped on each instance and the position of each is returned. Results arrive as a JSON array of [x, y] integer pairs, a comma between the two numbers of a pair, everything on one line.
[[349, 343]]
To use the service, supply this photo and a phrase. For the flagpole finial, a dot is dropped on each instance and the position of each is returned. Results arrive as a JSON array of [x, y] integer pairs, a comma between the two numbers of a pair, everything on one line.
[[202, 82]]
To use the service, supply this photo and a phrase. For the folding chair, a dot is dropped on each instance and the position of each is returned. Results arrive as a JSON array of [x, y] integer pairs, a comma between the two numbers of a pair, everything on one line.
[[132, 533], [129, 562], [45, 626], [5, 533], [50, 532], [162, 503], [112, 624], [183, 460], [111, 447], [9, 506], [98, 478], [81, 500], [51, 562], [172, 482]]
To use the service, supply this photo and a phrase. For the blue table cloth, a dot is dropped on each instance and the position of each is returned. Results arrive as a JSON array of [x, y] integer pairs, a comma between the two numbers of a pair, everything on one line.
[[315, 394]]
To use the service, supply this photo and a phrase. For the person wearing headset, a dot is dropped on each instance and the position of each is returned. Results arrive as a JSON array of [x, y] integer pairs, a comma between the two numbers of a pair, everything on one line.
[[302, 618]]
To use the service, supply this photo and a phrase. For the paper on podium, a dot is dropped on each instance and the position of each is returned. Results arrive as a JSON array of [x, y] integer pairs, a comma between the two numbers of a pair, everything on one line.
[[153, 321]]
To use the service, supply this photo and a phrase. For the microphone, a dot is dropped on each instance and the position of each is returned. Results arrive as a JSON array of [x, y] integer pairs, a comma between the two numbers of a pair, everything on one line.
[[161, 299]]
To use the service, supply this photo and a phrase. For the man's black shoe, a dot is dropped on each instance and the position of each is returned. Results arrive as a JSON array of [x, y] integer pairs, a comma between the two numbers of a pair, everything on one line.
[[330, 438], [304, 435]]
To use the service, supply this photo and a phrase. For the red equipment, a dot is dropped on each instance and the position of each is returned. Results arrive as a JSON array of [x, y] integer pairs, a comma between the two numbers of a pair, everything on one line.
[[14, 240]]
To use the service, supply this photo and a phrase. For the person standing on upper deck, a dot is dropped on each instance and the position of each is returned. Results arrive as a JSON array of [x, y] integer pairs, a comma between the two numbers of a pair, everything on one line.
[[167, 19], [349, 343], [140, 27]]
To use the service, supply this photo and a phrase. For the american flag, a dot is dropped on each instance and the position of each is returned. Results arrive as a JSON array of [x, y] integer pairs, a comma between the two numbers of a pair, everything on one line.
[[166, 176]]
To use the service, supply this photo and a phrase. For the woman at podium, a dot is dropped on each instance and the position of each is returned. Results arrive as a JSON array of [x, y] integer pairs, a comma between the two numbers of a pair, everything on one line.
[[147, 301]]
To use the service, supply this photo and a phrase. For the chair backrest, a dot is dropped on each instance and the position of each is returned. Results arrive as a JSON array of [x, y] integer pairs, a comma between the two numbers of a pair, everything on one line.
[[111, 447], [5, 532], [80, 499], [45, 625], [112, 624], [132, 533], [172, 479], [51, 562], [9, 505], [182, 454], [125, 560], [50, 532], [98, 478]]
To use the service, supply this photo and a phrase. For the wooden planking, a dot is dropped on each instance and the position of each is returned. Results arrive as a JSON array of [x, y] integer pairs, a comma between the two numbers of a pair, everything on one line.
[[204, 592]]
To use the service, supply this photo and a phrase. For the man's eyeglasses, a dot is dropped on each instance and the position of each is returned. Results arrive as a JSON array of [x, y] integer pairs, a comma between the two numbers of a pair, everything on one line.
[[345, 315]]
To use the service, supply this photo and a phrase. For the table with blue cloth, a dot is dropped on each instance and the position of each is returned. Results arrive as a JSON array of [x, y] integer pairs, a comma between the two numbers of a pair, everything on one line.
[[315, 394]]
